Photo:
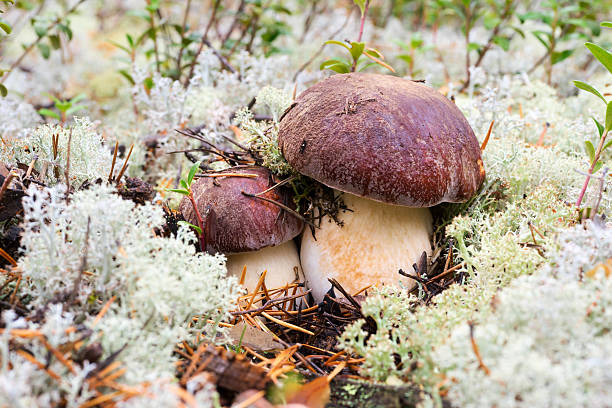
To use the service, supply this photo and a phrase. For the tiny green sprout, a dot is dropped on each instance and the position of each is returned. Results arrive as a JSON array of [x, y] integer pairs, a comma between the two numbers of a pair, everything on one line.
[[65, 107], [186, 191], [356, 49], [605, 58], [414, 46]]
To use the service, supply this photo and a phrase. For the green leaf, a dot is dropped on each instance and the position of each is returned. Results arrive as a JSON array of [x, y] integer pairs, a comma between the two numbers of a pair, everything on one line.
[[45, 51], [606, 145], [3, 90], [49, 113], [374, 53], [75, 108], [40, 29], [178, 190], [5, 27], [602, 55], [406, 58], [63, 106], [192, 172], [609, 117], [600, 127], [336, 65], [121, 47], [586, 87], [590, 149], [130, 40], [607, 24], [148, 83], [503, 42], [78, 98], [541, 36], [356, 50], [361, 5], [66, 30], [55, 41], [597, 166], [557, 57], [195, 227], [127, 76], [184, 184], [473, 46], [343, 44], [139, 13]]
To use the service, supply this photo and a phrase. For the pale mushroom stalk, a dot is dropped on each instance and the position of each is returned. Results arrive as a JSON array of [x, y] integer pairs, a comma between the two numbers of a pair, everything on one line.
[[375, 241], [281, 262]]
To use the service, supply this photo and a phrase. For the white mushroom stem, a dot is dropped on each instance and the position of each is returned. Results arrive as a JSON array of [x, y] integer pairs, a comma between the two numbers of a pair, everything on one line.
[[282, 263], [375, 242]]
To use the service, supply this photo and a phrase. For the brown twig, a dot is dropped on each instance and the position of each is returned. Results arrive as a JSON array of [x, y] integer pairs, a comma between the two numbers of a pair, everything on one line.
[[202, 43], [125, 163], [486, 139], [110, 174], [481, 364]]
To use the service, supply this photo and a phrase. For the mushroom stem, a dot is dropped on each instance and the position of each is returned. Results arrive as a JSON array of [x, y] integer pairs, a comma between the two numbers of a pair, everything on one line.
[[280, 261], [376, 241]]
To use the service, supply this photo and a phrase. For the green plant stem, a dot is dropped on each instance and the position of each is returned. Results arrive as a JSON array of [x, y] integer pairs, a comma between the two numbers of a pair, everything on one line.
[[201, 236], [31, 46], [590, 172]]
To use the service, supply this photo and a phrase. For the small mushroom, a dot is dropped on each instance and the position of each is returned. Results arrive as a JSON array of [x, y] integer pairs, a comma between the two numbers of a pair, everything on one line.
[[250, 231], [395, 147]]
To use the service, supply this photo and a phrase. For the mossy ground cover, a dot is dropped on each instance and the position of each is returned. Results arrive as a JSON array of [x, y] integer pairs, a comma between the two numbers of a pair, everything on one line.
[[103, 289]]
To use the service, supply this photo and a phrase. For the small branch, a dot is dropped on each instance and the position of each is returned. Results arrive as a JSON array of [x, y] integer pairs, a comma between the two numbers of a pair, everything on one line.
[[481, 364], [125, 163], [486, 139], [110, 175], [283, 206], [202, 43], [6, 183]]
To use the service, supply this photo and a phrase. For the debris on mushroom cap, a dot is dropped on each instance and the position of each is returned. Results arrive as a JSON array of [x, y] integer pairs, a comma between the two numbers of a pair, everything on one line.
[[235, 222], [385, 138]]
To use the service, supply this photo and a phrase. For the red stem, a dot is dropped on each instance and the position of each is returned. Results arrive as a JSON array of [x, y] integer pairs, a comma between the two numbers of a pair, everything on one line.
[[201, 236], [363, 18], [590, 172]]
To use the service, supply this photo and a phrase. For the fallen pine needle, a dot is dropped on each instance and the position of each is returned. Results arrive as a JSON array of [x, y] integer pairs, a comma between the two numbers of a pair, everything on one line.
[[253, 398], [287, 325]]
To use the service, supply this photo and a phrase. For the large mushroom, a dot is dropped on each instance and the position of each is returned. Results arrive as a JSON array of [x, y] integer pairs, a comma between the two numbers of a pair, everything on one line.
[[250, 231], [395, 147]]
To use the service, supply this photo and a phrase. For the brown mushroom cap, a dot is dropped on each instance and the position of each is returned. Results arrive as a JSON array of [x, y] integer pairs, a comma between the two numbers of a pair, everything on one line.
[[236, 222], [384, 138]]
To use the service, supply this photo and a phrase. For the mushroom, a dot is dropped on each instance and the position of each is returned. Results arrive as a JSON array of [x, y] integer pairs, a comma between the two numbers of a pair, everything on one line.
[[394, 147], [250, 231]]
